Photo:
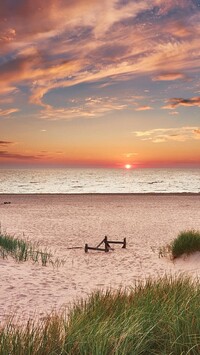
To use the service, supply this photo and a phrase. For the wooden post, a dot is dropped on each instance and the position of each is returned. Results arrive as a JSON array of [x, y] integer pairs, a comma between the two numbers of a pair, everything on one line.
[[106, 244], [86, 248], [124, 245]]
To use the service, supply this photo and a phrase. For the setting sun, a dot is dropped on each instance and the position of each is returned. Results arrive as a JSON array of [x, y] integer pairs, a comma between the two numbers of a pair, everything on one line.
[[128, 166]]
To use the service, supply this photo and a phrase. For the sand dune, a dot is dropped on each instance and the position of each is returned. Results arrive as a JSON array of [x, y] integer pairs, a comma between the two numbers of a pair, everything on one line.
[[62, 221]]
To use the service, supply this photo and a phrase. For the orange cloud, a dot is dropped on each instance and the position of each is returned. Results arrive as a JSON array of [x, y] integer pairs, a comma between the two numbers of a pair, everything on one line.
[[197, 131], [8, 90]]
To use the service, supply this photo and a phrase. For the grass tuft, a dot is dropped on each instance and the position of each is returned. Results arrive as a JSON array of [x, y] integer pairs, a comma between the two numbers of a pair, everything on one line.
[[23, 250], [156, 317], [187, 242]]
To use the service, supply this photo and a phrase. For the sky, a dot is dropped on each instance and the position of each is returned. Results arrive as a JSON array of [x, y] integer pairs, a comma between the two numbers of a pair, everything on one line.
[[89, 83]]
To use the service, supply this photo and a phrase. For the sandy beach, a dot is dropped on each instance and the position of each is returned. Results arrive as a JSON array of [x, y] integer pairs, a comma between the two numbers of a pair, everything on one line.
[[63, 221]]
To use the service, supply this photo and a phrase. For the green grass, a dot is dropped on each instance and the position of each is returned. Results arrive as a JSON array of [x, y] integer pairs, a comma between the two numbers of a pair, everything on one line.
[[187, 242], [23, 250], [158, 317]]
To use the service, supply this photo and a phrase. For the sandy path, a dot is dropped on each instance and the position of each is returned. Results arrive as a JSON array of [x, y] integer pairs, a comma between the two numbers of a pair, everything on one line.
[[62, 221]]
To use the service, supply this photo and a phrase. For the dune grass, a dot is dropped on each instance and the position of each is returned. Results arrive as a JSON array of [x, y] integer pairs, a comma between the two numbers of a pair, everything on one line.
[[15, 247], [187, 242], [23, 250], [158, 317]]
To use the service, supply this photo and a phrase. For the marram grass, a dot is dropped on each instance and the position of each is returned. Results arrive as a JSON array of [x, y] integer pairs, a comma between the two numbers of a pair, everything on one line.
[[23, 250], [187, 242], [158, 317]]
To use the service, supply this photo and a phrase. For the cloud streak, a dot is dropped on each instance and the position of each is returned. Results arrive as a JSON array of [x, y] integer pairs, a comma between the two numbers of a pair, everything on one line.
[[8, 112], [176, 102], [169, 77], [7, 155], [5, 143], [143, 108], [163, 135], [87, 108]]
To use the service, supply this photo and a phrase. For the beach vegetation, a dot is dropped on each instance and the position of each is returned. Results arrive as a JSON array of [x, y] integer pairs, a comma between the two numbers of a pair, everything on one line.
[[22, 250], [153, 317], [187, 242], [165, 251]]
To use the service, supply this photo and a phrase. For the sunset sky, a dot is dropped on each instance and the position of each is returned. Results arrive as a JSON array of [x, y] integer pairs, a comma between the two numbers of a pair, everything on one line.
[[90, 83]]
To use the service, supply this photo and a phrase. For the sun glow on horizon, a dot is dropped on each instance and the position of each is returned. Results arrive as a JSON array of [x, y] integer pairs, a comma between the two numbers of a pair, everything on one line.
[[128, 166]]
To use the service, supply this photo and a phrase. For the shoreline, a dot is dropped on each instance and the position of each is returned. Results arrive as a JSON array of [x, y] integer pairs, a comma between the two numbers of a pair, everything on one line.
[[105, 194]]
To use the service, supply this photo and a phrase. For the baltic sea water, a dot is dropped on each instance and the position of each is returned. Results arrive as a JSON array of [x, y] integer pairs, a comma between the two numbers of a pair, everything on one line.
[[79, 181]]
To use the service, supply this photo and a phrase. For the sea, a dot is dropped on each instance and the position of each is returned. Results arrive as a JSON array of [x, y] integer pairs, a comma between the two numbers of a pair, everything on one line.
[[87, 181]]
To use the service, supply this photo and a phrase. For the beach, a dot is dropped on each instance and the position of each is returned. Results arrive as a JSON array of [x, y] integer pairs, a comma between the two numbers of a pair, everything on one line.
[[60, 222]]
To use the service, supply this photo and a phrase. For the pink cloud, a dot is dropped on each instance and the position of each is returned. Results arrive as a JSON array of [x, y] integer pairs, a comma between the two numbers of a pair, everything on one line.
[[143, 108], [169, 76]]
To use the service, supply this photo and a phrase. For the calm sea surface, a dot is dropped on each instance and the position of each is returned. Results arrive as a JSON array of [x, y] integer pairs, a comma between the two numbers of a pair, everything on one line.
[[99, 180]]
